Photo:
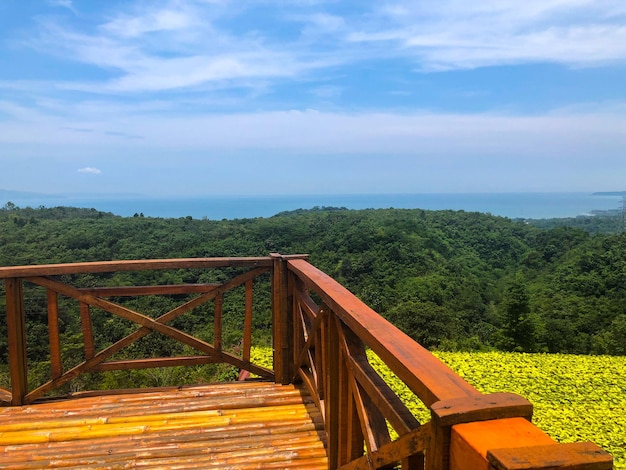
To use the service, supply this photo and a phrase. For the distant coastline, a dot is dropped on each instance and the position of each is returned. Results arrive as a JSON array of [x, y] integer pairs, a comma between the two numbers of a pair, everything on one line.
[[511, 205], [609, 193]]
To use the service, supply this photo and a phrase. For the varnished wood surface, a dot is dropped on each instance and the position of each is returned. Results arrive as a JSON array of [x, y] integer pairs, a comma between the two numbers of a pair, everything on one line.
[[426, 375], [320, 336], [237, 425], [131, 265]]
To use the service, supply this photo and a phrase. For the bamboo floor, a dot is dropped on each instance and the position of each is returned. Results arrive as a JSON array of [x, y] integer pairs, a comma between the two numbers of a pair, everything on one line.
[[242, 425]]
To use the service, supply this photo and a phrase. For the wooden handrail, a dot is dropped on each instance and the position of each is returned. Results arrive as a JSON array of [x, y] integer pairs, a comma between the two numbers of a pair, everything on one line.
[[467, 430], [131, 265], [429, 378]]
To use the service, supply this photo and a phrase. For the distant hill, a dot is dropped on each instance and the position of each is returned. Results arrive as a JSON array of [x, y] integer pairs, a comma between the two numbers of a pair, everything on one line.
[[610, 193], [6, 194]]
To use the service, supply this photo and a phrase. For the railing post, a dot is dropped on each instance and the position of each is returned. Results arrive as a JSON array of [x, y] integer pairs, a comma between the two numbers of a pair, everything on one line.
[[282, 321], [494, 431], [332, 398], [16, 330], [448, 413]]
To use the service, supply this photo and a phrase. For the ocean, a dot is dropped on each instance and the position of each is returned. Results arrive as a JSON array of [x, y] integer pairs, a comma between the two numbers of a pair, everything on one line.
[[512, 205]]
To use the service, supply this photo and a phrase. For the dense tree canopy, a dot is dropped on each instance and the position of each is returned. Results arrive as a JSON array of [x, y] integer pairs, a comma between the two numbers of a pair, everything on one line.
[[450, 279]]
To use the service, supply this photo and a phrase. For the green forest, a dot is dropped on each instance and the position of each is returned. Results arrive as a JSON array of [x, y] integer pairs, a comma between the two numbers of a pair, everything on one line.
[[453, 280]]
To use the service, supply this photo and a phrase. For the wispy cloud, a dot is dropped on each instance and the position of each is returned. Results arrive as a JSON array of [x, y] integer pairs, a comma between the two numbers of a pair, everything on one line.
[[79, 129], [173, 46], [125, 135], [454, 34], [90, 170], [180, 44], [151, 21], [63, 4]]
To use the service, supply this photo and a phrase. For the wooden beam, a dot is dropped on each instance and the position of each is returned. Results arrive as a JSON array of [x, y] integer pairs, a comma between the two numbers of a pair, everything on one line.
[[469, 442], [87, 329], [217, 323], [331, 398], [56, 366], [572, 456], [156, 362], [445, 414], [247, 322], [132, 291], [411, 444], [16, 330], [132, 265]]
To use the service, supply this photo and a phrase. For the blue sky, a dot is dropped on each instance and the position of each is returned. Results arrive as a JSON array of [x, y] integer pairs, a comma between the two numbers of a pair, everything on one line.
[[191, 97]]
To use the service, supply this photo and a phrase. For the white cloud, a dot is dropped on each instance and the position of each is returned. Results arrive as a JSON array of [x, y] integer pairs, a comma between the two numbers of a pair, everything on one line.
[[457, 34], [151, 21], [90, 170], [187, 51], [178, 44]]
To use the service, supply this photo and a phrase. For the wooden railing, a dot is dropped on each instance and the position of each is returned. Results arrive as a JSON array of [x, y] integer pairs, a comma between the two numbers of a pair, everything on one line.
[[99, 297], [321, 336]]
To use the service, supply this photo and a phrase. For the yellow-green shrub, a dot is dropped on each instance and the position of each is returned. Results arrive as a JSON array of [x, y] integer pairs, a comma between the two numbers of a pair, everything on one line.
[[576, 398]]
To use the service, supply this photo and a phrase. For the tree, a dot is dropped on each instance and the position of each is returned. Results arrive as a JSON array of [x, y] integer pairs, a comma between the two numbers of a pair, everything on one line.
[[520, 325], [426, 322]]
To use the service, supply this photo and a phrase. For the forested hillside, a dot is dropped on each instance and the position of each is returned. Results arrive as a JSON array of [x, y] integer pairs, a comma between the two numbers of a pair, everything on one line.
[[452, 280]]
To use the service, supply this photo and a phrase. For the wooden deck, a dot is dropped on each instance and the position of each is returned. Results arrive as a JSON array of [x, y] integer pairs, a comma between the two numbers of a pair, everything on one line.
[[236, 425]]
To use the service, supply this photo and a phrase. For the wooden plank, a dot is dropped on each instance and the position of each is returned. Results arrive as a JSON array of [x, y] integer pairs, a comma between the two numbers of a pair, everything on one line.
[[331, 398], [5, 397], [16, 330], [56, 367], [373, 423], [429, 378], [355, 437], [573, 456], [469, 442], [247, 322], [306, 302], [308, 381], [280, 435], [87, 330], [155, 362], [320, 354], [481, 408], [385, 399], [447, 413], [217, 323], [132, 291], [382, 396], [300, 334], [279, 356], [345, 425], [289, 320], [132, 265], [304, 351], [411, 444]]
